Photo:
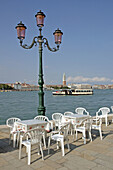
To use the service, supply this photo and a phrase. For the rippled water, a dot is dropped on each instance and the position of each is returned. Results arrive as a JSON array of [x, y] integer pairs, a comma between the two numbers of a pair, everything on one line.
[[24, 104]]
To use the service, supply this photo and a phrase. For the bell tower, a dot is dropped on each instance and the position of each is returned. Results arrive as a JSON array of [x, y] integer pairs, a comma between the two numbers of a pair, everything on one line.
[[64, 79]]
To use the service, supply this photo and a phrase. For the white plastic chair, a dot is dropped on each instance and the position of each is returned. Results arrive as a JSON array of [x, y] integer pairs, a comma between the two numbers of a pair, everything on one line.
[[13, 131], [30, 138], [112, 112], [58, 119], [81, 110], [83, 126], [45, 118], [49, 126], [112, 108], [61, 136], [103, 113], [68, 113], [97, 125]]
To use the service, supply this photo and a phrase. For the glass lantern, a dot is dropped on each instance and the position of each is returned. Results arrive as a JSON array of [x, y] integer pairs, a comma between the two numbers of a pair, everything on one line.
[[58, 36], [21, 30], [40, 18]]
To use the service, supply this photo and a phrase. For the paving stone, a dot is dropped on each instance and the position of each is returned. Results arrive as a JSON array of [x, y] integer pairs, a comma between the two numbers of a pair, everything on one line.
[[62, 160], [8, 167], [52, 163], [16, 163], [74, 166], [46, 168], [63, 168], [104, 163], [105, 157], [25, 167], [37, 164], [3, 162], [94, 155], [81, 161], [100, 167]]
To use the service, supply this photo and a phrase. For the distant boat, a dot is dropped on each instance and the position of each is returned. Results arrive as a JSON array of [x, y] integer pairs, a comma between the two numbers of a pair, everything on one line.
[[73, 92]]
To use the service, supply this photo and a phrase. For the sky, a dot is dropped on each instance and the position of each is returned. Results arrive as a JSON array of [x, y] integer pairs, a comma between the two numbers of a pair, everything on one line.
[[86, 51]]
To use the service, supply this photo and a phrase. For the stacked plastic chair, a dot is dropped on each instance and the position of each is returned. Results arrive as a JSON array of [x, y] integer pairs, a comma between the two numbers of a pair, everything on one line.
[[13, 130]]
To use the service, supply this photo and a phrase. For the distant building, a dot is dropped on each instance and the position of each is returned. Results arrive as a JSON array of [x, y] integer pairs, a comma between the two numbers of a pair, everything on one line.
[[80, 86], [64, 79], [17, 86]]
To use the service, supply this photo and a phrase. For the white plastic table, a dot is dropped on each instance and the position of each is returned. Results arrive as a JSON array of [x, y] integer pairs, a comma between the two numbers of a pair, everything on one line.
[[76, 118], [26, 125]]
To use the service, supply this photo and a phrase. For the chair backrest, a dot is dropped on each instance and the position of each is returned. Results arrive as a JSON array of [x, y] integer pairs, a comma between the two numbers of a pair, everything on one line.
[[85, 123], [57, 116], [64, 130], [33, 135], [97, 121], [103, 110], [68, 113], [45, 118], [10, 121], [81, 110], [112, 108]]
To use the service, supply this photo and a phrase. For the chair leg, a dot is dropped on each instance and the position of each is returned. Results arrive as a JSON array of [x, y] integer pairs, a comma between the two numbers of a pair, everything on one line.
[[29, 154], [9, 139], [44, 140], [18, 137], [73, 134], [20, 150], [106, 121], [38, 147], [62, 146], [100, 133], [90, 135], [41, 151], [67, 143], [14, 140], [71, 128], [84, 136], [57, 145], [76, 135], [49, 144]]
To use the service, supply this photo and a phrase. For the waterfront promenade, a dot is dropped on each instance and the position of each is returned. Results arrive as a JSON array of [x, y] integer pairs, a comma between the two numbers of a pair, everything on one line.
[[94, 155]]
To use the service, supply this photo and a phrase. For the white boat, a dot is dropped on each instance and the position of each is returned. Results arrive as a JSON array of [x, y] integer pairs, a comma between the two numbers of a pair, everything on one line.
[[73, 92]]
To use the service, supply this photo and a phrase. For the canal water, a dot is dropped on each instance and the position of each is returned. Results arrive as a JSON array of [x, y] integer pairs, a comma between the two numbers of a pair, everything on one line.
[[24, 104]]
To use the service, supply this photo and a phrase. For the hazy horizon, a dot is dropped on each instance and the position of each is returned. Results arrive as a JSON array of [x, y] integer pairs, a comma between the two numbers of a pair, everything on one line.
[[86, 51]]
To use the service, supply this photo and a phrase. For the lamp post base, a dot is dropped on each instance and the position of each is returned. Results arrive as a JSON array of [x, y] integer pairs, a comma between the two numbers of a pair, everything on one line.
[[41, 110]]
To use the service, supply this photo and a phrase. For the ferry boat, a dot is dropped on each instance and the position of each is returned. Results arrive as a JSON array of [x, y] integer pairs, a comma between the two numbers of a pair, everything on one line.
[[73, 92]]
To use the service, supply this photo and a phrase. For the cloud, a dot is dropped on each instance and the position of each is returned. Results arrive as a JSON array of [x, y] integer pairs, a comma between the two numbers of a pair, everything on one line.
[[79, 79]]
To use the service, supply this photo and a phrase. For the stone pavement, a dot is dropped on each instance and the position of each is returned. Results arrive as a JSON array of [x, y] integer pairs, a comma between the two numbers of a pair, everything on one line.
[[94, 155]]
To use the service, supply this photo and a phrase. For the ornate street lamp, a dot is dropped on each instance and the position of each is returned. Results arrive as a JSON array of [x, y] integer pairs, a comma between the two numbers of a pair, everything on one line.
[[39, 39]]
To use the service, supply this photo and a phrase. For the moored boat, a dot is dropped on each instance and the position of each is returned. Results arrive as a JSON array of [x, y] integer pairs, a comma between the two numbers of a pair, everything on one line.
[[73, 92]]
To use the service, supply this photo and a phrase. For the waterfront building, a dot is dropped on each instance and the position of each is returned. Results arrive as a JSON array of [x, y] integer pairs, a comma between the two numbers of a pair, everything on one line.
[[17, 86], [80, 86]]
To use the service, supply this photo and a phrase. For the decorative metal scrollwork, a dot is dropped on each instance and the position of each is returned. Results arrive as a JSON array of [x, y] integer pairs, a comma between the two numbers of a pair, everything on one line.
[[49, 48], [28, 47]]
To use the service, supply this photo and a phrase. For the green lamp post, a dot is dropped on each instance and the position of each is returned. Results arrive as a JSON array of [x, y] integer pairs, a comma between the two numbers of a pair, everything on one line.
[[40, 40]]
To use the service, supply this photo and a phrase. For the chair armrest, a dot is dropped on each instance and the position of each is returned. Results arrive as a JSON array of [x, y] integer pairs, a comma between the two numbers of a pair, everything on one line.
[[51, 124], [87, 112], [96, 113]]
